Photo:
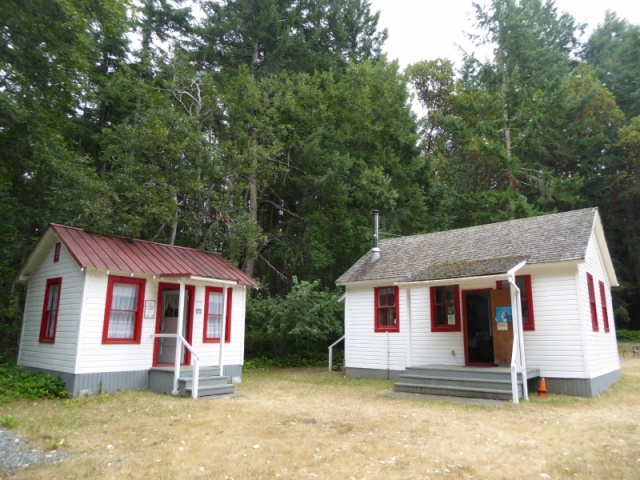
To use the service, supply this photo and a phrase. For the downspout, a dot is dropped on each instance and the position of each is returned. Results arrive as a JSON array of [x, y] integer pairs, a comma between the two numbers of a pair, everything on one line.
[[388, 359], [517, 354], [178, 359]]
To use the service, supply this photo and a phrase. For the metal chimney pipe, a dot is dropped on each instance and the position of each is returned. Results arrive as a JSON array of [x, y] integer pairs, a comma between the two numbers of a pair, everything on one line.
[[375, 251]]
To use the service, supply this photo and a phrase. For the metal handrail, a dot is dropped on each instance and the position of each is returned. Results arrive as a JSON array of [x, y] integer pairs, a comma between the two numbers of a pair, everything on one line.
[[331, 351], [196, 364]]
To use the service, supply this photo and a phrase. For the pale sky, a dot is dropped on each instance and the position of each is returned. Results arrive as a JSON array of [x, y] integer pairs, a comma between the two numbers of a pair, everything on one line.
[[427, 29]]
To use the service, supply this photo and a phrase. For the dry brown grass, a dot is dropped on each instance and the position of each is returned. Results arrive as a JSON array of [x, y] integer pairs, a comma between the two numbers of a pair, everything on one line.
[[309, 423]]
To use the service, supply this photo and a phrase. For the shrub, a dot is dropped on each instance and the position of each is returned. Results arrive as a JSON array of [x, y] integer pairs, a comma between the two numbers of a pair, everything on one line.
[[306, 359], [628, 336], [304, 322], [18, 383]]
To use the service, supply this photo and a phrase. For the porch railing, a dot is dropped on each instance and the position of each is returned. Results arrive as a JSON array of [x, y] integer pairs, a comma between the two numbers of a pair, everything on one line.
[[331, 351], [176, 372]]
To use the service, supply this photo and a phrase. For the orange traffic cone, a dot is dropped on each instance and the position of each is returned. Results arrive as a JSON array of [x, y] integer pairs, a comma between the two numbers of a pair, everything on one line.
[[542, 388]]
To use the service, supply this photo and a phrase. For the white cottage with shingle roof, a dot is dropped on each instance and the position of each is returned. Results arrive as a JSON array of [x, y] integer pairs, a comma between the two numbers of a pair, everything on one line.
[[474, 311], [107, 313]]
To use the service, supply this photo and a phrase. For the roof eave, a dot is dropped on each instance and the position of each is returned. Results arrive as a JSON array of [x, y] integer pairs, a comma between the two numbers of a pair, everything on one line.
[[374, 281], [598, 231], [461, 280]]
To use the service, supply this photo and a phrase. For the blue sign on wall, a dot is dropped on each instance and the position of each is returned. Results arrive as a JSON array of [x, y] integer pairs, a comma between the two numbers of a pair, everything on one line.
[[503, 315]]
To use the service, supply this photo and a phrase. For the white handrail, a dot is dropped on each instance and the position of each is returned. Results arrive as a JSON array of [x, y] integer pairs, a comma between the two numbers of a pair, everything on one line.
[[196, 363], [331, 351]]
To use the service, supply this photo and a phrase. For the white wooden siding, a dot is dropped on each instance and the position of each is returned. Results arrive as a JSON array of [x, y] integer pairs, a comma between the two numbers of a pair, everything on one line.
[[60, 355], [601, 347], [427, 347], [233, 352], [557, 346], [365, 348], [95, 357]]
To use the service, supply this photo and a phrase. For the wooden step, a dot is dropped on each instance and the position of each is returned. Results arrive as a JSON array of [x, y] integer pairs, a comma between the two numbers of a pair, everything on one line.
[[208, 385], [462, 381], [212, 390], [488, 383], [453, 391]]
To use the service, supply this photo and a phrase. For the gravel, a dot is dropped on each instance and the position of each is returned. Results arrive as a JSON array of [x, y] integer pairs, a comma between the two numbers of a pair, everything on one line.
[[15, 453]]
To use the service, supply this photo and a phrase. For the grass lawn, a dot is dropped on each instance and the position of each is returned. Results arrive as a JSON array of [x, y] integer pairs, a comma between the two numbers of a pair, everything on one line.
[[310, 423]]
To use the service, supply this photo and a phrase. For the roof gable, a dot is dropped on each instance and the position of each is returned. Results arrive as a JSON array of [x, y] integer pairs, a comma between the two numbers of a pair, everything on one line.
[[109, 252], [479, 250]]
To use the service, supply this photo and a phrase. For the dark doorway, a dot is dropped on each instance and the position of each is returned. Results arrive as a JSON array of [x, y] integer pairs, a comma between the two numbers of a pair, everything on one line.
[[478, 331]]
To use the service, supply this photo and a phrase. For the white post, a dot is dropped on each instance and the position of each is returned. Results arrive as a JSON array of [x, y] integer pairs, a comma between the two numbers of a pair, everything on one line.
[[518, 334], [223, 329], [176, 371], [523, 362], [408, 294], [516, 341]]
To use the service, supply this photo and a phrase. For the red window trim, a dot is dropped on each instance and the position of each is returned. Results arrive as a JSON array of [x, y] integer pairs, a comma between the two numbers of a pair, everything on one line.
[[592, 303], [137, 326], [376, 320], [531, 325], [456, 304], [56, 253], [44, 324], [227, 328], [603, 302]]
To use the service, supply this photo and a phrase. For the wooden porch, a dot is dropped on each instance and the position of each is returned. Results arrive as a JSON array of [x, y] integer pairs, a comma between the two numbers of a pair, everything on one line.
[[461, 381]]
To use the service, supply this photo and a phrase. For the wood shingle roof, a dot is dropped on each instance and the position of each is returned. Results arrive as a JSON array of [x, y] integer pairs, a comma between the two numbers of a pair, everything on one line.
[[480, 250]]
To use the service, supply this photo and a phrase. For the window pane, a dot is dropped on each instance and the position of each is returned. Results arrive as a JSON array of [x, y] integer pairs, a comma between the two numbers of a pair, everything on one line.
[[123, 310], [215, 303], [391, 316], [383, 299], [214, 326], [125, 296], [439, 299], [53, 296], [121, 324], [450, 296], [391, 297], [441, 317], [214, 315], [382, 315], [51, 322]]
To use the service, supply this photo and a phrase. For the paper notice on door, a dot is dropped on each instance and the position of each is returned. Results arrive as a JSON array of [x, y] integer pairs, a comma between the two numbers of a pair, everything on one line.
[[503, 326]]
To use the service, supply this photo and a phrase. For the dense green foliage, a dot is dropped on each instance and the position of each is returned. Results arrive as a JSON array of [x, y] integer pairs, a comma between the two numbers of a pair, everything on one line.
[[302, 323], [267, 130], [16, 383], [629, 336]]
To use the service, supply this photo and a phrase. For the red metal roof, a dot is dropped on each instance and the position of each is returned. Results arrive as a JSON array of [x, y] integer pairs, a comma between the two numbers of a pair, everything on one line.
[[140, 256]]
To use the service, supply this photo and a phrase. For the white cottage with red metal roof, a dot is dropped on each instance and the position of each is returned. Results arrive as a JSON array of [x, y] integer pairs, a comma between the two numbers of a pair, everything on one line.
[[107, 313], [476, 311]]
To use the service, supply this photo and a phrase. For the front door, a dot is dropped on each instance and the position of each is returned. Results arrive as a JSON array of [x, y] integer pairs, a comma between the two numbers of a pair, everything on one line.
[[478, 327], [167, 322], [502, 322]]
